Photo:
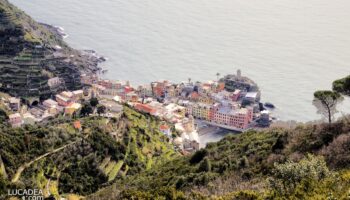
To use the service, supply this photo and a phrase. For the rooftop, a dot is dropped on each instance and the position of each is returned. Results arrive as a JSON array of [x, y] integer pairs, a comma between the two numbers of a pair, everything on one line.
[[164, 127]]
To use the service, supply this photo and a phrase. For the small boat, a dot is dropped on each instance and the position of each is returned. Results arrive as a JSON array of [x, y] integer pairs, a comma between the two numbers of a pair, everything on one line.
[[269, 105]]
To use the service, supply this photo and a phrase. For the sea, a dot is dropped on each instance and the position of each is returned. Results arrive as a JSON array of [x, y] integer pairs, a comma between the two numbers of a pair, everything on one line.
[[289, 47]]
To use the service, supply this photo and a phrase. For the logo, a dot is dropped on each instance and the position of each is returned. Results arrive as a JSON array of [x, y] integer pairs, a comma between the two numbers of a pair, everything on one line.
[[27, 194]]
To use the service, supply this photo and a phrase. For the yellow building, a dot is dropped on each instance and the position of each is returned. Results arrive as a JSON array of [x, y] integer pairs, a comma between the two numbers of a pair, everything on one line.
[[70, 109], [201, 111]]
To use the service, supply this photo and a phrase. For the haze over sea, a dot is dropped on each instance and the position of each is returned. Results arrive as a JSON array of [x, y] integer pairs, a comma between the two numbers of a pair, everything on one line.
[[289, 47]]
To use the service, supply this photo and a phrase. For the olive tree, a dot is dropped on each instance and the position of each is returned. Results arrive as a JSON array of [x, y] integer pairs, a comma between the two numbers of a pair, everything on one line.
[[326, 102]]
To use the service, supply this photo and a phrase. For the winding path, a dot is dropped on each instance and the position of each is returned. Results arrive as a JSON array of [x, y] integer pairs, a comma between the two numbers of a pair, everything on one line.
[[24, 166]]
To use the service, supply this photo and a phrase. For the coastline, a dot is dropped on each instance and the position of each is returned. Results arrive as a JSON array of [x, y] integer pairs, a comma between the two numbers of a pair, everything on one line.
[[90, 58]]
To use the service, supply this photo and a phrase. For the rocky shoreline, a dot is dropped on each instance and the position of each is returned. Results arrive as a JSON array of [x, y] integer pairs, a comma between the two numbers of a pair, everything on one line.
[[89, 58]]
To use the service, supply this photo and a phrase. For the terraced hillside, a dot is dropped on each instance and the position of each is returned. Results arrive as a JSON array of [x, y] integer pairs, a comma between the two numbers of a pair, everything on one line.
[[60, 159], [30, 54]]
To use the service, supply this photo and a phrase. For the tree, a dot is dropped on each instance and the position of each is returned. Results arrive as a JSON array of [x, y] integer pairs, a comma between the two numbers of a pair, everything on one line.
[[342, 85], [326, 102], [94, 102], [86, 110], [101, 109]]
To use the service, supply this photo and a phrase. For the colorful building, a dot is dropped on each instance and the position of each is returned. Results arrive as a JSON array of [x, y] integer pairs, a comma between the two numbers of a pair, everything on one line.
[[201, 111], [239, 118]]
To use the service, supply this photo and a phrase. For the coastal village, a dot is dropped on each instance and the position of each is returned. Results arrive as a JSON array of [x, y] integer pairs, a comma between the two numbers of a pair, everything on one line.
[[64, 79], [232, 103]]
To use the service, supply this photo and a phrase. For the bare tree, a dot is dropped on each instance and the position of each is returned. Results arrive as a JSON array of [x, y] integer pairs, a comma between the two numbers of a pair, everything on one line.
[[326, 102]]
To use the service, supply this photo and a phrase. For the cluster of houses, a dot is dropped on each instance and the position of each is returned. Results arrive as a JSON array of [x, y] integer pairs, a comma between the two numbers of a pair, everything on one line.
[[212, 102], [66, 102], [179, 104]]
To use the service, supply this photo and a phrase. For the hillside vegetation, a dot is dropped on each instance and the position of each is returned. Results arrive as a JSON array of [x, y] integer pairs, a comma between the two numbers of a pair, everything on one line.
[[308, 162], [61, 159]]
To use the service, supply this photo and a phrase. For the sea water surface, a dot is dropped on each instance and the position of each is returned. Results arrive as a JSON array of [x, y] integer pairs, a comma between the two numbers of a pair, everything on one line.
[[289, 47]]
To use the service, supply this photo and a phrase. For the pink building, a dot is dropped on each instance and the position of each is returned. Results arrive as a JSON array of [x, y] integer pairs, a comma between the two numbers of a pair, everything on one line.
[[239, 119]]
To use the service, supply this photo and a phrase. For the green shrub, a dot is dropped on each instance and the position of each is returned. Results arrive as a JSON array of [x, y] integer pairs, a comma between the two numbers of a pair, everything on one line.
[[287, 176]]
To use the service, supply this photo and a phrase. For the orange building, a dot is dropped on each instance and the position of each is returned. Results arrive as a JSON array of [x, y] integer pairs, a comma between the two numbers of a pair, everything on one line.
[[145, 108]]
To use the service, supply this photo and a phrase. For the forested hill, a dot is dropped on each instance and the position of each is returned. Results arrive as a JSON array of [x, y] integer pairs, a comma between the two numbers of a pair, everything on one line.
[[60, 158], [31, 54], [308, 162]]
